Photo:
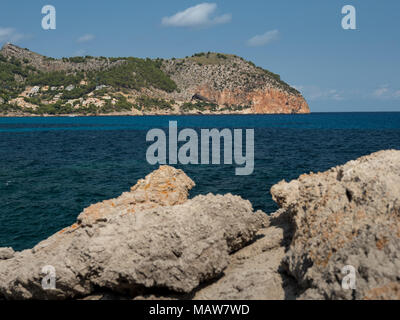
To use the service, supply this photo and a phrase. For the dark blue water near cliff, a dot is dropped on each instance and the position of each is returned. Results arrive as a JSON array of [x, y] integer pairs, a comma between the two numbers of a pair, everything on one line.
[[52, 168]]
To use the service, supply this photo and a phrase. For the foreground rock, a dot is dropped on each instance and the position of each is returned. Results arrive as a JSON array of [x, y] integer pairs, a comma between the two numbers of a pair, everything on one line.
[[153, 243], [137, 243], [163, 187], [348, 215]]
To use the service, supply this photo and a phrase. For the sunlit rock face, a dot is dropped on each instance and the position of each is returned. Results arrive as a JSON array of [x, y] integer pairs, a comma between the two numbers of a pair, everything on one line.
[[346, 216], [261, 101]]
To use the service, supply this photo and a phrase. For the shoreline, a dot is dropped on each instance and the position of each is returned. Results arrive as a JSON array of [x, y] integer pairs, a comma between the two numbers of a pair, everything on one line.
[[183, 114], [129, 114]]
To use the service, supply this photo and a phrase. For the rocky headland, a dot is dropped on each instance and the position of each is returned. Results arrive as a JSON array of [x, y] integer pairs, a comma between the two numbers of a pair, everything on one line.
[[154, 243], [204, 83]]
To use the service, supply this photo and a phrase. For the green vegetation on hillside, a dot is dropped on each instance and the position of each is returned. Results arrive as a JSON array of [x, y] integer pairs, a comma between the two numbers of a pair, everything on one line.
[[61, 108], [8, 108], [135, 73], [77, 59], [203, 58], [78, 92], [10, 70], [235, 108], [55, 78], [14, 77], [200, 105], [147, 103]]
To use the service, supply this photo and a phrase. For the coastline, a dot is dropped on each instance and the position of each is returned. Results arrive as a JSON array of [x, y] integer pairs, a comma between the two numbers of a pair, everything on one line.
[[131, 114], [122, 114]]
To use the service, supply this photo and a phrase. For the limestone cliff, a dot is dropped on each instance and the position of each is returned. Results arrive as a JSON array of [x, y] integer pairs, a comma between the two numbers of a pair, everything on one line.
[[262, 101], [229, 80]]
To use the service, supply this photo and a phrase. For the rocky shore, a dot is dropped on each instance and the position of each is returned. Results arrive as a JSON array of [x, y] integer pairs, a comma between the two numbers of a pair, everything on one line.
[[154, 243]]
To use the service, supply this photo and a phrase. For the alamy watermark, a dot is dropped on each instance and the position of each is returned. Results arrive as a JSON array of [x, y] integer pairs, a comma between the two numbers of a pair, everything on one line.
[[349, 20], [189, 152], [349, 280], [49, 280], [49, 20]]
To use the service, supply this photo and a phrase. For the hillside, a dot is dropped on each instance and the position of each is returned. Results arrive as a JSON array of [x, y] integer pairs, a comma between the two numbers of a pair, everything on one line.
[[201, 84]]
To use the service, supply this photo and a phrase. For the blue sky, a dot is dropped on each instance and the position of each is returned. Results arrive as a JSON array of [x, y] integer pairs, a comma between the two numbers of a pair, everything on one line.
[[303, 41]]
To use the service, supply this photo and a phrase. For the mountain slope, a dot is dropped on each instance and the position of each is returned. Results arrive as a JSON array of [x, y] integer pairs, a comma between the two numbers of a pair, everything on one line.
[[204, 83]]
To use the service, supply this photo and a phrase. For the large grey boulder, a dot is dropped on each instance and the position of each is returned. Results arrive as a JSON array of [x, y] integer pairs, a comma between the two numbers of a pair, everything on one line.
[[138, 247], [346, 216]]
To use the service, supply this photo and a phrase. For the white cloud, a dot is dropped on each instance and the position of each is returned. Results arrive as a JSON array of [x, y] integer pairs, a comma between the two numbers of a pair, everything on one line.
[[200, 15], [385, 92], [316, 93], [10, 35], [263, 39], [86, 38], [313, 93], [381, 91]]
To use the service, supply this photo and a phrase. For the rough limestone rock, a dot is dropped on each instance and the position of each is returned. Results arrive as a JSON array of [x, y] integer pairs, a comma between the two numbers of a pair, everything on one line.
[[348, 215], [254, 272], [166, 186], [131, 252]]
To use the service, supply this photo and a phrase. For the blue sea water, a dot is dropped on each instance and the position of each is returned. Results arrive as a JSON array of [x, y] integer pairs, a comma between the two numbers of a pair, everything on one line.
[[52, 168]]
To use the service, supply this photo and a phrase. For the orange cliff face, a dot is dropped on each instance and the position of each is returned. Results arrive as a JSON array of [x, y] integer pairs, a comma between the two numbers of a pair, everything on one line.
[[262, 101], [276, 101]]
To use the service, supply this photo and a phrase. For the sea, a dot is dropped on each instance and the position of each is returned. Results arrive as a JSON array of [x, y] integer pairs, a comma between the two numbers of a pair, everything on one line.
[[51, 168]]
